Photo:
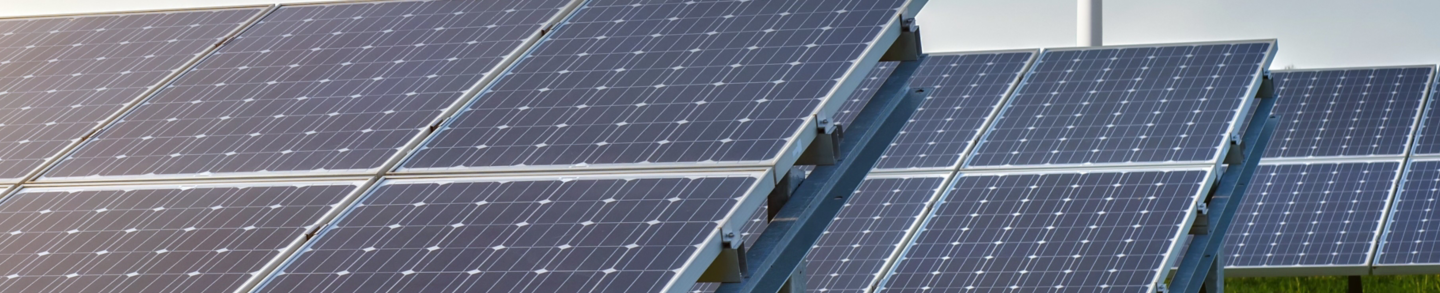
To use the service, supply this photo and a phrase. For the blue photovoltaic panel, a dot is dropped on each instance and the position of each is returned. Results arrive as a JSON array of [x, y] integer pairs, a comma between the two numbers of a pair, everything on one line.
[[171, 239], [867, 233], [1427, 137], [1411, 236], [61, 77], [570, 235], [1163, 103], [1066, 232], [1346, 112], [1318, 214], [964, 90], [637, 82], [315, 88]]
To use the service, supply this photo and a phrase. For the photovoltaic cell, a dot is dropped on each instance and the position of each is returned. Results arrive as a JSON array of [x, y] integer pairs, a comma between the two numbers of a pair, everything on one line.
[[965, 90], [154, 239], [1072, 232], [572, 235], [61, 77], [1410, 236], [1427, 138], [1318, 214], [315, 88], [1347, 112], [1164, 103], [867, 233], [636, 82]]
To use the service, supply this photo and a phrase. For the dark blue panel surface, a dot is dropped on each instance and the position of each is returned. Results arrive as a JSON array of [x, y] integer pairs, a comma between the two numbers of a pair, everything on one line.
[[864, 93], [1094, 232], [61, 77], [315, 88], [625, 82], [965, 90], [1311, 215], [580, 235], [1427, 137], [1164, 103], [1410, 233], [867, 232], [1351, 112], [203, 239]]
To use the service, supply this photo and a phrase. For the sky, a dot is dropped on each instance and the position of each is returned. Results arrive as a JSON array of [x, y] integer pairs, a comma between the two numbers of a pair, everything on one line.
[[1311, 33]]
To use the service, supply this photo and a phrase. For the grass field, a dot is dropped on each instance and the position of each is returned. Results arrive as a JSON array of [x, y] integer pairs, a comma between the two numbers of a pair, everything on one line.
[[1373, 284]]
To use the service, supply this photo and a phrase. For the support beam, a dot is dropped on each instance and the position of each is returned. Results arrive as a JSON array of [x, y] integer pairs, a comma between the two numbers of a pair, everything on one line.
[[780, 250], [1201, 268], [1357, 284]]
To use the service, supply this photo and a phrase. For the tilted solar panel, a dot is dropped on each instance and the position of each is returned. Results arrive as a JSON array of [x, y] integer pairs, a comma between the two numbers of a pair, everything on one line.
[[1312, 218], [1409, 244], [625, 82], [1427, 135], [62, 77], [1134, 104], [205, 238], [315, 89], [966, 90], [1093, 231], [1347, 112], [647, 233], [864, 93]]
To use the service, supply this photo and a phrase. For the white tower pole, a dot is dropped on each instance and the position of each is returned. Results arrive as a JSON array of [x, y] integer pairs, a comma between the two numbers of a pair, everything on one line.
[[1088, 23]]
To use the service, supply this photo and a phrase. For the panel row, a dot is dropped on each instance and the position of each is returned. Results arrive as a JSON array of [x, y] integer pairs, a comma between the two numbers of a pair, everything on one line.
[[350, 89]]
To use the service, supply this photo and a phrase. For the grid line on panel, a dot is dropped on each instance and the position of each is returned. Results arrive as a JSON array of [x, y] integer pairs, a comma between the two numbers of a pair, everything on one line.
[[1314, 214], [154, 239], [1142, 104], [64, 77], [1095, 231], [577, 235], [1347, 112], [314, 89], [622, 83]]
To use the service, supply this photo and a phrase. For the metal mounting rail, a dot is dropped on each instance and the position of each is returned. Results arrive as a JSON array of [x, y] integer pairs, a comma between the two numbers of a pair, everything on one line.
[[779, 253], [1203, 267]]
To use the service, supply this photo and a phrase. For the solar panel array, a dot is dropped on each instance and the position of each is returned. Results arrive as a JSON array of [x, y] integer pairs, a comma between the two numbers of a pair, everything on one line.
[[626, 82], [297, 94], [966, 89], [525, 235], [62, 77], [1125, 105], [1318, 204], [315, 88], [1037, 206], [207, 238]]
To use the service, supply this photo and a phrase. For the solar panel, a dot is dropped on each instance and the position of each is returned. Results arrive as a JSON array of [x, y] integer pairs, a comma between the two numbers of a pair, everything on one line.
[[1425, 136], [206, 238], [867, 234], [1085, 231], [1313, 215], [967, 90], [315, 89], [1141, 104], [62, 77], [1410, 239], [1347, 112], [647, 233], [624, 82]]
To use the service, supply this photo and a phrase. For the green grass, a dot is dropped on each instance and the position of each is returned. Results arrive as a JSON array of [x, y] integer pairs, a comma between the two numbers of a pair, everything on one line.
[[1373, 284]]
